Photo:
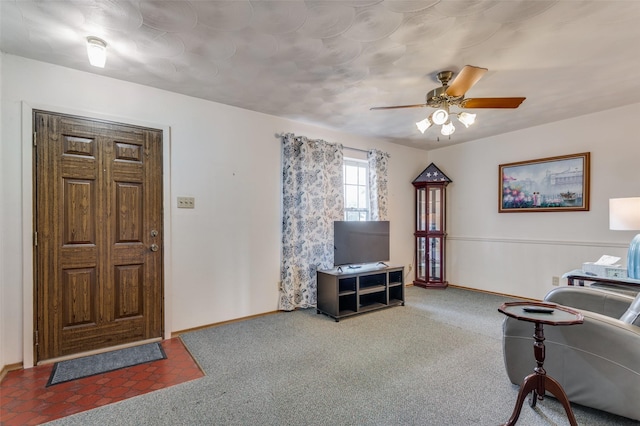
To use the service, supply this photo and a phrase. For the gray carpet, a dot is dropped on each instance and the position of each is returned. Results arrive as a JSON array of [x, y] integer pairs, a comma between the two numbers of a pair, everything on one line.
[[78, 368], [436, 361]]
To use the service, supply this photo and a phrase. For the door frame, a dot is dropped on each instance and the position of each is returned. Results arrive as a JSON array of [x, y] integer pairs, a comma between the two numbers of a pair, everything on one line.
[[28, 283]]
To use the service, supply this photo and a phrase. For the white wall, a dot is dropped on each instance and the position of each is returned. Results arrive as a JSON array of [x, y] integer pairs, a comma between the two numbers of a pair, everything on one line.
[[519, 253], [225, 252]]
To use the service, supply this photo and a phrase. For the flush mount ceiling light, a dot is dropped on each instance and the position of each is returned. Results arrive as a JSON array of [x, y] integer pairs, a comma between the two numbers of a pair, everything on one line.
[[97, 51]]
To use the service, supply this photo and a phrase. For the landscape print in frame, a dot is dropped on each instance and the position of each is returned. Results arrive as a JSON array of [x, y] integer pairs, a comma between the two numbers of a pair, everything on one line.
[[545, 185]]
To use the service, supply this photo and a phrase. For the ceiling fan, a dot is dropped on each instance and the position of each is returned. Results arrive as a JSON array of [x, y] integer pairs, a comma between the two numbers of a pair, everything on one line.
[[447, 96]]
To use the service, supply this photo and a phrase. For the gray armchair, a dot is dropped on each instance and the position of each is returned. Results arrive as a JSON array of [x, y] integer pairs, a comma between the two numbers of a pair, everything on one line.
[[597, 362]]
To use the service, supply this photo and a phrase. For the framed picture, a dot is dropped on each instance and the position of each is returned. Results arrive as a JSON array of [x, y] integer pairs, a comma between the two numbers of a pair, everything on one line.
[[553, 184]]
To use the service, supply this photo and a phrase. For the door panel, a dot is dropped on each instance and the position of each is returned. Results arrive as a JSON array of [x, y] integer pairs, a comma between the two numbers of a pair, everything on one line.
[[98, 198]]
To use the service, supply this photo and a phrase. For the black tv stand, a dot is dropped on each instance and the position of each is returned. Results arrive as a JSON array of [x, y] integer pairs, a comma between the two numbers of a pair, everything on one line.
[[344, 294]]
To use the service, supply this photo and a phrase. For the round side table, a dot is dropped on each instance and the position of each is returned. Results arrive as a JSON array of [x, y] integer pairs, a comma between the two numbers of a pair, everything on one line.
[[538, 382]]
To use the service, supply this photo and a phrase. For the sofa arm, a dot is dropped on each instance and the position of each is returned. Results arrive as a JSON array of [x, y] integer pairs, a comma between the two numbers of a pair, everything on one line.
[[603, 302]]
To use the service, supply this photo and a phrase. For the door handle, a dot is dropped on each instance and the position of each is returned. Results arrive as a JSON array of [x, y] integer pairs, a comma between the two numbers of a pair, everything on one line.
[[154, 247]]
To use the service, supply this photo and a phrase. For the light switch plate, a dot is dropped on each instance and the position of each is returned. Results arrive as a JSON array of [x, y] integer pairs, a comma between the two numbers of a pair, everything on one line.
[[186, 203]]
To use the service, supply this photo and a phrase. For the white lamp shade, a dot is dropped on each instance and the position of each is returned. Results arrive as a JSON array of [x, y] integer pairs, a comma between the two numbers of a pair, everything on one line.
[[423, 125], [97, 51], [448, 129], [624, 214], [439, 116], [466, 118]]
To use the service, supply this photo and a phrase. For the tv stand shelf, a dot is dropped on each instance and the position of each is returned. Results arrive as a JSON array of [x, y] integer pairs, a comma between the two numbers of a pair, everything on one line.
[[359, 290]]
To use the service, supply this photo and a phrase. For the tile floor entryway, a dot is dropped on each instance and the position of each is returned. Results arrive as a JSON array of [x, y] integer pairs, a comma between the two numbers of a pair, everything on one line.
[[24, 399]]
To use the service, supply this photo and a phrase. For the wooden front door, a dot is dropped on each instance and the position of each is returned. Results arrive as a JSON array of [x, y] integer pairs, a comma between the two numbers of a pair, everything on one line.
[[98, 221]]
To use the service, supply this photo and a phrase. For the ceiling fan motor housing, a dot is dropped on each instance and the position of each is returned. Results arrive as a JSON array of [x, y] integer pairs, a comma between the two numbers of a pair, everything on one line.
[[437, 98], [444, 77]]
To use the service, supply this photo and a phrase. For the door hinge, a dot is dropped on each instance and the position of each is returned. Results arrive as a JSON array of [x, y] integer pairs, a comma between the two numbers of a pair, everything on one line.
[[35, 239], [35, 335], [35, 143]]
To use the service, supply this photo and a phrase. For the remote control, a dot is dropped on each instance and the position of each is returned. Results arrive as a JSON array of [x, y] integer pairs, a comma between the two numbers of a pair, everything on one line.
[[537, 310]]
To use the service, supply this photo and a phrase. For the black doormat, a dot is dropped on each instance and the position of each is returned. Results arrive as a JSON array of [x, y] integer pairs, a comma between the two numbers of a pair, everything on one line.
[[78, 368]]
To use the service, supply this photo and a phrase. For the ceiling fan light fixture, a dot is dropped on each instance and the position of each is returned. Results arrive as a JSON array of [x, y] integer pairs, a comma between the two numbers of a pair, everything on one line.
[[97, 51], [466, 118], [448, 128], [423, 125], [452, 94], [439, 116]]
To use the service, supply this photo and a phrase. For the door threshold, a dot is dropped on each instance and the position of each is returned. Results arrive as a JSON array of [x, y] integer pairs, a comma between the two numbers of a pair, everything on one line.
[[99, 351]]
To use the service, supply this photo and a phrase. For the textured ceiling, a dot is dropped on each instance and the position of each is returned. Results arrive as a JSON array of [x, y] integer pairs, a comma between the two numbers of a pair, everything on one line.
[[328, 62]]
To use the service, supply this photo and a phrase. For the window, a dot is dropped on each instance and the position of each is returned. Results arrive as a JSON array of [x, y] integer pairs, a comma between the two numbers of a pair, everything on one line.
[[356, 189]]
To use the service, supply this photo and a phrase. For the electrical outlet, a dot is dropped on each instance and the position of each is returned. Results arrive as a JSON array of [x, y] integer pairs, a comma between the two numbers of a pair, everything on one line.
[[555, 281], [186, 203]]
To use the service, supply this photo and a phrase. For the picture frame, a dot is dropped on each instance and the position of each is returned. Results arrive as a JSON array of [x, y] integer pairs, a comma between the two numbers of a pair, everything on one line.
[[553, 184]]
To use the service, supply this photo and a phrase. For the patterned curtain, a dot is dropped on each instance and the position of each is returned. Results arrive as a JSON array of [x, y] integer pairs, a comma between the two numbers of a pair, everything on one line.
[[378, 194], [312, 200]]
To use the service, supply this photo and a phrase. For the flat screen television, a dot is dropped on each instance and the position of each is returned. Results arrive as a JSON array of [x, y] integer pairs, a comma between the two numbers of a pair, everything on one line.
[[360, 242]]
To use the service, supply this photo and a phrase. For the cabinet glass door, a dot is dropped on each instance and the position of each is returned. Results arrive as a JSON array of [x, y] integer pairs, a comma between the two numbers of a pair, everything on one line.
[[421, 209], [429, 259], [435, 261], [421, 260], [434, 209]]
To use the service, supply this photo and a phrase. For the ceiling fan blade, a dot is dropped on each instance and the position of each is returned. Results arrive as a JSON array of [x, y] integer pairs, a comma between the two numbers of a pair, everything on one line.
[[399, 106], [465, 80], [492, 102]]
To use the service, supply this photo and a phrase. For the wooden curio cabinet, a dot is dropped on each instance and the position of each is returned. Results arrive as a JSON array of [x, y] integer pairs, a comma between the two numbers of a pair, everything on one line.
[[430, 228]]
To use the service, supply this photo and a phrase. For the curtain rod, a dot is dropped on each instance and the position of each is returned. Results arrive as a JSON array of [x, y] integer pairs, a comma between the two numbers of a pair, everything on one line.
[[280, 135], [356, 149]]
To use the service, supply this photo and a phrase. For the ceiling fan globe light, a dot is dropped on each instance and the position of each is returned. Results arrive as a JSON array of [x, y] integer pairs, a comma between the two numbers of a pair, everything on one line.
[[423, 125], [448, 129], [439, 116], [466, 118]]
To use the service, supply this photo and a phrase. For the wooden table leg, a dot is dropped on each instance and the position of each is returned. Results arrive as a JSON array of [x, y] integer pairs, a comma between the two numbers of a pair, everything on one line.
[[529, 385], [554, 388], [538, 383]]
